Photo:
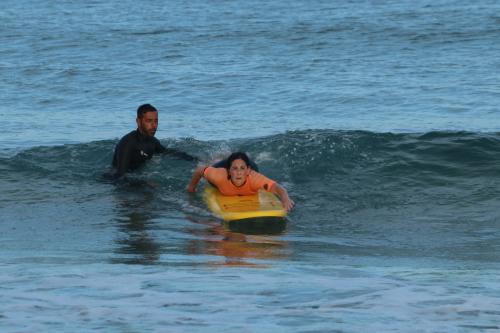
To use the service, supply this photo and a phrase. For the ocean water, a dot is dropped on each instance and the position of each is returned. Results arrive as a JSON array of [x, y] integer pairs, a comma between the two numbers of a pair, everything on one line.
[[379, 117]]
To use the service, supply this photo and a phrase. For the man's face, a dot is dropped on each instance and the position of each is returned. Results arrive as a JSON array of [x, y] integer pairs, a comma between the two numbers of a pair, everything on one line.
[[148, 123]]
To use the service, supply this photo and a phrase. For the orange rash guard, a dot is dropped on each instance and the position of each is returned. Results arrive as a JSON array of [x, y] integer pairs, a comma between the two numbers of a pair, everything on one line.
[[254, 182]]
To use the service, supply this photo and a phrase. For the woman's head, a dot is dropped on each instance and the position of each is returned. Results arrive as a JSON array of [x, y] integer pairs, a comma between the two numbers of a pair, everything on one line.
[[238, 168], [238, 156]]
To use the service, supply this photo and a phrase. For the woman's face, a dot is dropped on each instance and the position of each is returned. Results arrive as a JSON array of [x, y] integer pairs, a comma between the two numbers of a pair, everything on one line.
[[239, 171]]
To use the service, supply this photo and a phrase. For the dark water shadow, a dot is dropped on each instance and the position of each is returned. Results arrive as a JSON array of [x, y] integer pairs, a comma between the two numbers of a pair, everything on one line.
[[135, 215], [258, 226], [246, 243]]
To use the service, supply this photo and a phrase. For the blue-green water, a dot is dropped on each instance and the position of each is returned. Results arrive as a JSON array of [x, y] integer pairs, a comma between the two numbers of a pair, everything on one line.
[[380, 118]]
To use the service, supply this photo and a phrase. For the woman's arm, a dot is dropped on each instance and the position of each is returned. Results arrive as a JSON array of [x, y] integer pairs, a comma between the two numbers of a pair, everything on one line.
[[283, 194], [195, 179]]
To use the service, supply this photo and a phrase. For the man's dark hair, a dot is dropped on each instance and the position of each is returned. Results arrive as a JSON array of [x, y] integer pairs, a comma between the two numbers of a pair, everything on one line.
[[141, 110], [238, 156]]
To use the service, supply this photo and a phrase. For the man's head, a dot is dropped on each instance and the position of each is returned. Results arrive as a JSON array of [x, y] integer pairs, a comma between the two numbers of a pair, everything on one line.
[[238, 168], [147, 120]]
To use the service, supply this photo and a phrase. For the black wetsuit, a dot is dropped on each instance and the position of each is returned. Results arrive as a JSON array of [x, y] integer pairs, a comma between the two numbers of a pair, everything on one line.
[[134, 149]]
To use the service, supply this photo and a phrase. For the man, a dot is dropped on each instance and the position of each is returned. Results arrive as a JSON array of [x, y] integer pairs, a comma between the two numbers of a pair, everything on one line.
[[140, 145]]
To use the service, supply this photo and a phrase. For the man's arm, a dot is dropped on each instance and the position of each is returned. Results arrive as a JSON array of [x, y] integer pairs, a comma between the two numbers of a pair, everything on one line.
[[174, 152], [180, 154], [283, 194], [123, 156]]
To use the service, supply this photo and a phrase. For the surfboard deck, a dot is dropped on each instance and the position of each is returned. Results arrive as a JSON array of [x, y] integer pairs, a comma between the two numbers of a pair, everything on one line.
[[230, 208]]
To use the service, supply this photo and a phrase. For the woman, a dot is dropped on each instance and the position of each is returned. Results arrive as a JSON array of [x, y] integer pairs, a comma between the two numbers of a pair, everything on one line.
[[238, 178]]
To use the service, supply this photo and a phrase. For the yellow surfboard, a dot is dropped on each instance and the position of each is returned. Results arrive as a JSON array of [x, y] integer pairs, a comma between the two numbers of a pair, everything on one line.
[[230, 208]]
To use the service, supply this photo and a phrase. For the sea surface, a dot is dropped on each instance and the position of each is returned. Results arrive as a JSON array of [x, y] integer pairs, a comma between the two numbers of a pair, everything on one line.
[[381, 118]]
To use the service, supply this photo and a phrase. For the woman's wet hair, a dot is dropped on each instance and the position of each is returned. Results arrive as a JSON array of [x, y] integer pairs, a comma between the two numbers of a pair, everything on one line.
[[238, 156], [225, 164]]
